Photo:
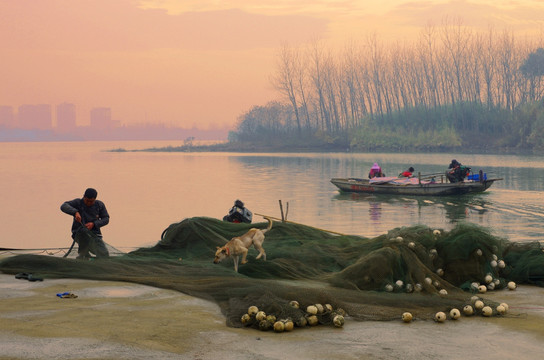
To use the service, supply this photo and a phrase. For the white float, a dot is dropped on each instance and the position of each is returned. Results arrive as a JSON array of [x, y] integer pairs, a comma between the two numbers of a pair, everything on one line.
[[455, 314], [487, 311], [260, 316], [252, 310], [407, 317], [338, 321], [320, 308], [279, 326], [440, 316]]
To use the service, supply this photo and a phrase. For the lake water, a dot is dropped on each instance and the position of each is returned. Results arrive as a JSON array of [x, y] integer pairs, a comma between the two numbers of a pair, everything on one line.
[[146, 191]]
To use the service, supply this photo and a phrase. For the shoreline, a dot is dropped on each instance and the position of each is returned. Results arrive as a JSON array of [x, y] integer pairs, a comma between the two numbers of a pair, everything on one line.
[[245, 148], [116, 320]]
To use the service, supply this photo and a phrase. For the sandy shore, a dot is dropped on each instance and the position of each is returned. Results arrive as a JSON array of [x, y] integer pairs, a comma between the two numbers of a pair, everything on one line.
[[114, 320]]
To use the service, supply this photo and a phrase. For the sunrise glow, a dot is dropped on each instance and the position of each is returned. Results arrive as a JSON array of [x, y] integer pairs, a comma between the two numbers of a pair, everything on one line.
[[198, 63]]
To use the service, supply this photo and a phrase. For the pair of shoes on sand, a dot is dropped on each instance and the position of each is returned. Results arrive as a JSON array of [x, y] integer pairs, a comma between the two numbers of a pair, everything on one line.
[[29, 277], [67, 295]]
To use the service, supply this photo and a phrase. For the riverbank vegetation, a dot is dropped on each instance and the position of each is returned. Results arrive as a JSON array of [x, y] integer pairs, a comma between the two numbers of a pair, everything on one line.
[[451, 89]]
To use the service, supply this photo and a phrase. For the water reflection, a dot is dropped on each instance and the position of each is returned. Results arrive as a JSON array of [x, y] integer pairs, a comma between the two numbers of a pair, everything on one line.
[[375, 210], [455, 209]]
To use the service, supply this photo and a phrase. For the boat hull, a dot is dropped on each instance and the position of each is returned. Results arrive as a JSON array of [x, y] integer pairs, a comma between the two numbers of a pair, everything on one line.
[[429, 189]]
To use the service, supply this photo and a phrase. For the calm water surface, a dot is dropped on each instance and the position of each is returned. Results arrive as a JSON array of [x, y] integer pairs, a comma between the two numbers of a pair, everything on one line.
[[145, 192]]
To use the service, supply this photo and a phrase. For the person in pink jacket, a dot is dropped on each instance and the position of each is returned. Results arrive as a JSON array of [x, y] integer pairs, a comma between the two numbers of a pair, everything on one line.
[[375, 171]]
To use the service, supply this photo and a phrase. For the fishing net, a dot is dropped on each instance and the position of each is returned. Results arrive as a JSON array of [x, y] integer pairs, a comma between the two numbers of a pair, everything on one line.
[[410, 269], [90, 242]]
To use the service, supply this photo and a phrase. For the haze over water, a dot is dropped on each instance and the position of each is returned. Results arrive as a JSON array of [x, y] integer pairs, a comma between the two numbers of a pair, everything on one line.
[[146, 191]]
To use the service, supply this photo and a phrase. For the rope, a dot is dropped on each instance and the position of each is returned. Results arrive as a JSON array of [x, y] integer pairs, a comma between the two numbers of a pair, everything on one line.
[[70, 249], [54, 251], [38, 249]]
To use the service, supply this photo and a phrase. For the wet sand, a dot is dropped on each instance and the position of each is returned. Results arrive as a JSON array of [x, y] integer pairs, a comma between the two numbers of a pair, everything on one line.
[[116, 320]]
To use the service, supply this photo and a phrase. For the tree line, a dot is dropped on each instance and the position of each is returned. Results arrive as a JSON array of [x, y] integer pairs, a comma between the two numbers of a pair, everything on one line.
[[450, 87]]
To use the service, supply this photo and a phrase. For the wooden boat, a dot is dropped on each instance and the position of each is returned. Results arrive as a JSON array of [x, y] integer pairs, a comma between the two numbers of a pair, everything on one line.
[[413, 186]]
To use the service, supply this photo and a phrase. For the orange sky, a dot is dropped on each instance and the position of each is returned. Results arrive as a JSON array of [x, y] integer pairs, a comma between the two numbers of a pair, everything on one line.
[[196, 62]]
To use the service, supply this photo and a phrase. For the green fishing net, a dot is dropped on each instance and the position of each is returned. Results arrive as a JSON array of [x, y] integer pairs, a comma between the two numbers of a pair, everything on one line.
[[411, 269]]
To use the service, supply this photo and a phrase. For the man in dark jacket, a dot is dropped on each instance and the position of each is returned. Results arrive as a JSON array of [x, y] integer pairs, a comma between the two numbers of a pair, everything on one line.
[[89, 216], [457, 172]]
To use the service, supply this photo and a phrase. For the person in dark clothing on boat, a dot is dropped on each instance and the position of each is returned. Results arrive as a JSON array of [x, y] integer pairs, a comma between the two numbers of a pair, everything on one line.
[[457, 172], [375, 171], [408, 173], [239, 214], [454, 163], [89, 216], [453, 171]]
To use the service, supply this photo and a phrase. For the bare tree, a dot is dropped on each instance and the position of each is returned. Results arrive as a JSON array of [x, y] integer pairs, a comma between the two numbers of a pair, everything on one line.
[[317, 75], [285, 79], [427, 51], [488, 60], [303, 90], [376, 72], [349, 68], [506, 71]]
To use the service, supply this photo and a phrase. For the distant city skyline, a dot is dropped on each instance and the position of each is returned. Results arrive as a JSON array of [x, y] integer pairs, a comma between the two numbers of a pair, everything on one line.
[[39, 122], [46, 116]]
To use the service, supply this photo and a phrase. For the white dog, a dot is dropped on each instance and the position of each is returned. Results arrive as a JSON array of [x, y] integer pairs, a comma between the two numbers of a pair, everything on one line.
[[240, 245]]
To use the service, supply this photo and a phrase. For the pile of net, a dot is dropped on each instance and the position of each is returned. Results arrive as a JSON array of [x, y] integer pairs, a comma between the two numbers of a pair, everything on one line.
[[410, 269]]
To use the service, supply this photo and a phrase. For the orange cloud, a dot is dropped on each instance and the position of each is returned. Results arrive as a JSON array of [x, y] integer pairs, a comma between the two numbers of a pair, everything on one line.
[[192, 68], [106, 25]]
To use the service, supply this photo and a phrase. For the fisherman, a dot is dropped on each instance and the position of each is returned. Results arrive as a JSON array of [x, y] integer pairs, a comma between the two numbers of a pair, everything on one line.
[[375, 171], [457, 172], [408, 173], [89, 216], [454, 163], [239, 214]]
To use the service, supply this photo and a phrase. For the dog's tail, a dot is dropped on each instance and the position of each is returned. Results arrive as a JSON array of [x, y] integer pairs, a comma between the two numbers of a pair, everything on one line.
[[269, 225]]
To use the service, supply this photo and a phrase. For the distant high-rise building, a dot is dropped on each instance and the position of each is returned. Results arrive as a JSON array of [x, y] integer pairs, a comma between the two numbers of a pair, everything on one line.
[[101, 118], [34, 117], [66, 117], [7, 119]]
